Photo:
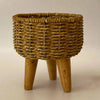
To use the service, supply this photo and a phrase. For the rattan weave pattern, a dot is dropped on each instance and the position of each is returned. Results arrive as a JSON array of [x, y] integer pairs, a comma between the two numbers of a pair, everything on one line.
[[48, 35]]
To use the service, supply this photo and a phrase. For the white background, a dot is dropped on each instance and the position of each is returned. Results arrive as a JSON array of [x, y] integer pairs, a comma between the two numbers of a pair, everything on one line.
[[85, 66]]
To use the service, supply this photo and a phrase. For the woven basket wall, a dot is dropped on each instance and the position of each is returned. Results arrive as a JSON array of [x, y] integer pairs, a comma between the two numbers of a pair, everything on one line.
[[48, 35]]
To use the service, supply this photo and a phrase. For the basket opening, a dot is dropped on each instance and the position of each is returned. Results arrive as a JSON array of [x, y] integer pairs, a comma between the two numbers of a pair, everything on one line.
[[44, 15]]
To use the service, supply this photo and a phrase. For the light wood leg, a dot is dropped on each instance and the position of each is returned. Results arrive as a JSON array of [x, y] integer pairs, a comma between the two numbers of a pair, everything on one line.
[[30, 69], [51, 69], [65, 73]]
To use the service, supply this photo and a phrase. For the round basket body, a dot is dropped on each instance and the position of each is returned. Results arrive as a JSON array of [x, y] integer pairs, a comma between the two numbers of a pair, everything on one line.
[[48, 35]]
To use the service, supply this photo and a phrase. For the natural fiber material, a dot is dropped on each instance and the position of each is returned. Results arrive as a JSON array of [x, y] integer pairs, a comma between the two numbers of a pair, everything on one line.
[[48, 35]]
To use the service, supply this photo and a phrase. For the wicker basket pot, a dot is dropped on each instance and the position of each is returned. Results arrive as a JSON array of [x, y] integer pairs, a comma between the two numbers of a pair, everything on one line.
[[48, 35]]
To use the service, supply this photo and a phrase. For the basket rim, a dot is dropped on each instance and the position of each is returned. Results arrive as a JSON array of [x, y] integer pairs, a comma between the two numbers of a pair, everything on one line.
[[47, 17]]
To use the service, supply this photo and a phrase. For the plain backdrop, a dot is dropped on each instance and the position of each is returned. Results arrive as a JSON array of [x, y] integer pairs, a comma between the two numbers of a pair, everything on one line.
[[85, 66]]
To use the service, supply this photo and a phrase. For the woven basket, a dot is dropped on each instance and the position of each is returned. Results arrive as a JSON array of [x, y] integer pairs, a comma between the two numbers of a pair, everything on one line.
[[48, 35]]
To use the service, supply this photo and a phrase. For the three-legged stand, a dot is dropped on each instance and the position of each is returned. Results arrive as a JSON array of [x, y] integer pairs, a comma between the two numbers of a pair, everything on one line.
[[63, 67]]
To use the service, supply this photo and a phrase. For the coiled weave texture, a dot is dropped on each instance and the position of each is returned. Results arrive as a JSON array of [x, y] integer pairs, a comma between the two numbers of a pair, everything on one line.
[[48, 35]]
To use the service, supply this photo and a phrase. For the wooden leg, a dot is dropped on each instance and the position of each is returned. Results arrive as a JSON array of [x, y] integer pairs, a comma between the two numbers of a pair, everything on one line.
[[51, 69], [65, 73], [30, 69]]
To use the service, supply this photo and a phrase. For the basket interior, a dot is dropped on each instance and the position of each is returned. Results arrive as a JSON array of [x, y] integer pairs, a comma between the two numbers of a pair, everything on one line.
[[46, 15]]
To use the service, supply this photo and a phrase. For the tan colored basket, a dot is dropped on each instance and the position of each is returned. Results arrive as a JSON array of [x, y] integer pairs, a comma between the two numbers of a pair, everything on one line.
[[48, 35]]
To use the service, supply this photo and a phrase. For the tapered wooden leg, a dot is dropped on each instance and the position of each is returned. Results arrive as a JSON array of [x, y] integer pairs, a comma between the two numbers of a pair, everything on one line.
[[30, 69], [65, 73], [51, 69]]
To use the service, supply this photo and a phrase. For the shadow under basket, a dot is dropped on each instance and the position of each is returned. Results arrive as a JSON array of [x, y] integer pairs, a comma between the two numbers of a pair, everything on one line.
[[54, 37]]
